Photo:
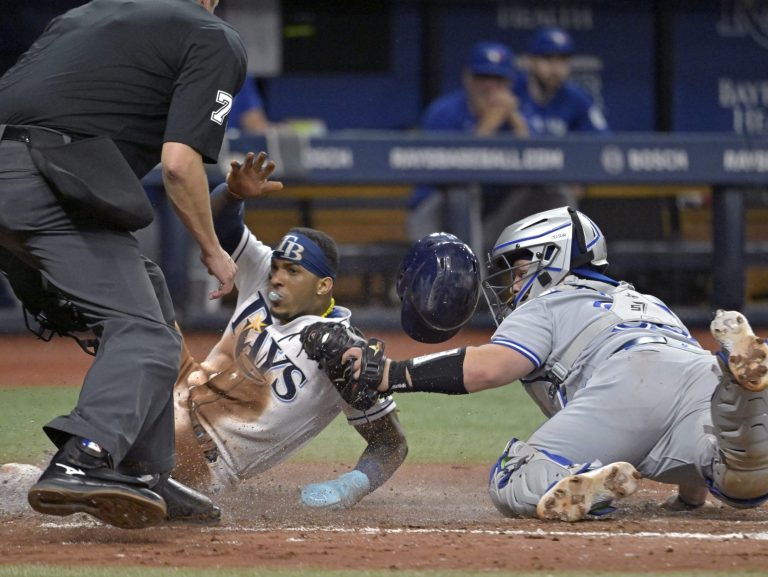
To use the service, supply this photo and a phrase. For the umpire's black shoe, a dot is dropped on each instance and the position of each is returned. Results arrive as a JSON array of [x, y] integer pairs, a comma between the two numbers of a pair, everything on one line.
[[185, 505], [83, 485]]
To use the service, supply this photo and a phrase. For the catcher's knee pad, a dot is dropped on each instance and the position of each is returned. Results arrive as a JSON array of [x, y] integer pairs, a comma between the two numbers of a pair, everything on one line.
[[740, 421], [522, 475]]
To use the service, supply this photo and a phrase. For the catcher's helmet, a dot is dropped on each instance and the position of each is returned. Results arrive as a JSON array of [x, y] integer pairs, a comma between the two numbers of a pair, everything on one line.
[[439, 286], [556, 242]]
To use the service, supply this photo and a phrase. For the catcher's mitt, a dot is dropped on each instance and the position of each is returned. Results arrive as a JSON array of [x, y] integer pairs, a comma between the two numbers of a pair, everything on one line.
[[326, 342]]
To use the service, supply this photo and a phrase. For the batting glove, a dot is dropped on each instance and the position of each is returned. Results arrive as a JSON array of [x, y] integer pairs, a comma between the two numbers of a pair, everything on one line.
[[342, 492]]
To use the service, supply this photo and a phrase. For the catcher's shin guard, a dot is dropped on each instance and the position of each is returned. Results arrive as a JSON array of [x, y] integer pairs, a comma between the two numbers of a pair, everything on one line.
[[522, 475], [740, 421], [739, 409]]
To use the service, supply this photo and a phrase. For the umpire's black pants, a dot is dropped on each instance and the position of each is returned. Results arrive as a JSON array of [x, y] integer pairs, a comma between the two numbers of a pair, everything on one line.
[[125, 403]]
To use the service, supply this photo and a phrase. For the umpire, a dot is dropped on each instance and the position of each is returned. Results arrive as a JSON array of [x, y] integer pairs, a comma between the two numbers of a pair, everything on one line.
[[105, 93]]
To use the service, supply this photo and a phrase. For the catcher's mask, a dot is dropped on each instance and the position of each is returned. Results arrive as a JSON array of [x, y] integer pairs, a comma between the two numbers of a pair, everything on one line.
[[439, 287], [553, 244]]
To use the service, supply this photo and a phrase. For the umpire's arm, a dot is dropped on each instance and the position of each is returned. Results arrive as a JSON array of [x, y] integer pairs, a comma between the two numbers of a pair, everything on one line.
[[186, 184]]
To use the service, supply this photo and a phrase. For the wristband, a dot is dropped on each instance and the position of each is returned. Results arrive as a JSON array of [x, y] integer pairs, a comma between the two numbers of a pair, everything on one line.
[[396, 380], [341, 492], [436, 373]]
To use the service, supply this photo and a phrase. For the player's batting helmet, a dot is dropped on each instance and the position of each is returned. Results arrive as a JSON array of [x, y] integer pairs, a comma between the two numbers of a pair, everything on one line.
[[439, 286], [557, 242]]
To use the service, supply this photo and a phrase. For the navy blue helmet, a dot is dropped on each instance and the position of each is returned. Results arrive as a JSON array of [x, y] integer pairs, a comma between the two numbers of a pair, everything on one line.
[[439, 286]]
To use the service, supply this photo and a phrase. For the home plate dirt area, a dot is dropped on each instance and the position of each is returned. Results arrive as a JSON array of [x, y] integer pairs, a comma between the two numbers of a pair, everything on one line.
[[427, 517]]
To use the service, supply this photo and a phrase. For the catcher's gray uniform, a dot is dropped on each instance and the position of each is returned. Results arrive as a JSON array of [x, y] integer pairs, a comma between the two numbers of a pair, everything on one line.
[[638, 389], [302, 401], [621, 379]]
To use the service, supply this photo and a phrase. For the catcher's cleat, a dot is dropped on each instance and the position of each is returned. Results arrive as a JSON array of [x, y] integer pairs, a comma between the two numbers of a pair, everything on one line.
[[185, 505], [746, 352], [591, 493], [115, 499], [675, 503]]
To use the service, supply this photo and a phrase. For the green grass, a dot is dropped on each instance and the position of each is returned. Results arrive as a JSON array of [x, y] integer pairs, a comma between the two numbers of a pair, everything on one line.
[[23, 412], [465, 429]]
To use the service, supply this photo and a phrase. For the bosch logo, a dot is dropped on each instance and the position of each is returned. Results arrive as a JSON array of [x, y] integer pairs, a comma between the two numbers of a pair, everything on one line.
[[612, 160]]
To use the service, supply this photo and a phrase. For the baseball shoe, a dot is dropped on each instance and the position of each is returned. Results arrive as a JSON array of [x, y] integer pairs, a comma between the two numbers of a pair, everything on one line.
[[591, 493], [185, 505], [88, 485], [747, 353]]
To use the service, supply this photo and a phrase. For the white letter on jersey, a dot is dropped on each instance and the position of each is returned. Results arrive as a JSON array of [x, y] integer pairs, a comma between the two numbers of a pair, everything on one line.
[[225, 100]]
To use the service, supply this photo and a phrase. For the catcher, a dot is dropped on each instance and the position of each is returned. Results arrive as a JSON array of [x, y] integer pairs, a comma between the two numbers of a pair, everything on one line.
[[260, 395], [627, 390]]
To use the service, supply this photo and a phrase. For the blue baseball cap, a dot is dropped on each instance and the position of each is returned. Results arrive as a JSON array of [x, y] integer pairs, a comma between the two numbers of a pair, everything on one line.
[[492, 59], [551, 40]]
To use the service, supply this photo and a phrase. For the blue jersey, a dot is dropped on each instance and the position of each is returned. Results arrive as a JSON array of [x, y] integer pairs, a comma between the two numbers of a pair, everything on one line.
[[449, 112], [247, 99], [570, 110]]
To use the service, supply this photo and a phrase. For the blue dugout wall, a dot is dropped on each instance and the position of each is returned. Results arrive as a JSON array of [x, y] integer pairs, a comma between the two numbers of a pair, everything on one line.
[[679, 65], [683, 65]]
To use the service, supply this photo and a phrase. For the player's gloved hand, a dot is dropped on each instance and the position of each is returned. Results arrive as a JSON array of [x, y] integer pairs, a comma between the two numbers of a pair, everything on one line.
[[341, 492]]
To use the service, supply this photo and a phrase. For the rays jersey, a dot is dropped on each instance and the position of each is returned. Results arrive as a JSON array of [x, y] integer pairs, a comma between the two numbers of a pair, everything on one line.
[[601, 318], [301, 401]]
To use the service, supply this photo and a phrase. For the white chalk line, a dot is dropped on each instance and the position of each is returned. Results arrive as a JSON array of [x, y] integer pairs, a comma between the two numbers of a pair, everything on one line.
[[538, 533]]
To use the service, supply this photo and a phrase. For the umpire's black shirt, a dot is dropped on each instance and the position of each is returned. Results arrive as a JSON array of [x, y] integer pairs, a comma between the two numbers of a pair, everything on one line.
[[143, 72]]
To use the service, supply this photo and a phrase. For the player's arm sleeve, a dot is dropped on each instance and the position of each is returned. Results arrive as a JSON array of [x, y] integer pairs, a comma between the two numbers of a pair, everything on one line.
[[212, 72], [251, 255], [228, 218]]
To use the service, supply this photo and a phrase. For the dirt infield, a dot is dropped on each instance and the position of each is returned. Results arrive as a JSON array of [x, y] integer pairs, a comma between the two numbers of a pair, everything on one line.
[[427, 517]]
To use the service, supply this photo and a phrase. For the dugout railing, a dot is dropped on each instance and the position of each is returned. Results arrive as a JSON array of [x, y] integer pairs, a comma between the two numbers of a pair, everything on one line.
[[726, 162]]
